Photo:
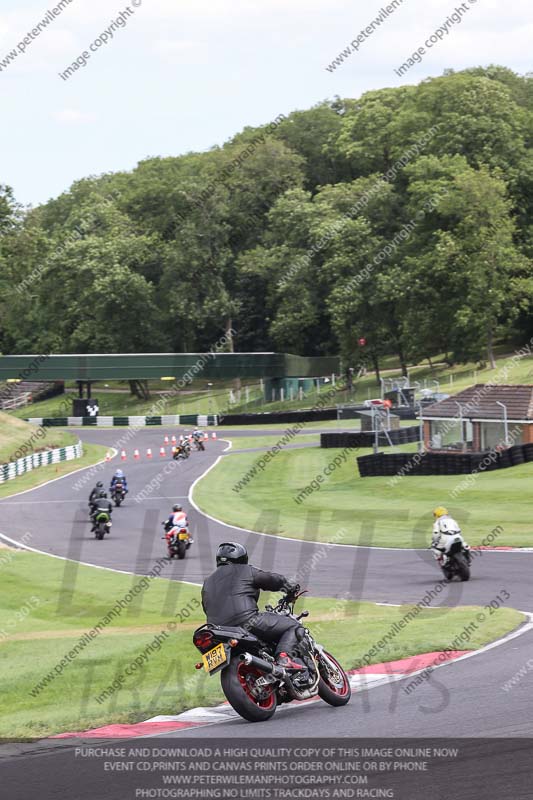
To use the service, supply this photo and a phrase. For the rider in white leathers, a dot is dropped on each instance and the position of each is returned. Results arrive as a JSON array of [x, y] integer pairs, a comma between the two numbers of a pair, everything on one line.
[[444, 531]]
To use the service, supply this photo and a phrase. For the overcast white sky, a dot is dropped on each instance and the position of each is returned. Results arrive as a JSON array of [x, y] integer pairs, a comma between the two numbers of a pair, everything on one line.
[[188, 74]]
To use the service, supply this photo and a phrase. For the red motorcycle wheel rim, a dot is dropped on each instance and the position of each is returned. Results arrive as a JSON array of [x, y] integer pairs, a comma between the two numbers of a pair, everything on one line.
[[244, 674], [343, 690]]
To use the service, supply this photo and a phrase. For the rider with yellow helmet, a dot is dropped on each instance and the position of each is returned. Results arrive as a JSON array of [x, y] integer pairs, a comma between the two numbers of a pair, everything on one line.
[[444, 529]]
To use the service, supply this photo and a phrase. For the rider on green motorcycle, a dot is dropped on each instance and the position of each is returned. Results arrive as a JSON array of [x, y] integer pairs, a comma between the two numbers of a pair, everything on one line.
[[100, 504]]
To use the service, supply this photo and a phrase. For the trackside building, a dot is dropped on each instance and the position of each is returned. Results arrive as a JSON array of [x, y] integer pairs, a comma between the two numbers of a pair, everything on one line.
[[482, 417]]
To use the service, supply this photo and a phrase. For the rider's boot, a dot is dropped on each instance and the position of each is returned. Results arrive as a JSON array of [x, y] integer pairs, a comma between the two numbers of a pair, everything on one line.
[[286, 662]]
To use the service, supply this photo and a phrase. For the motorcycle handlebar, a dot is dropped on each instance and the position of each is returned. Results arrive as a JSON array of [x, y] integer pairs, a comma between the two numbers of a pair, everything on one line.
[[291, 597]]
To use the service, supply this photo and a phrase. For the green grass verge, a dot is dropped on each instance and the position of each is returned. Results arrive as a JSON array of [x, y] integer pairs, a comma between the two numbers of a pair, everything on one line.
[[371, 511], [92, 453], [264, 442], [66, 600], [16, 434]]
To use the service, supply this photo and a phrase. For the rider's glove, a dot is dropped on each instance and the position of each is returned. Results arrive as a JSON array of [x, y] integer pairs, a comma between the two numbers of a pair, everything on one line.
[[291, 588]]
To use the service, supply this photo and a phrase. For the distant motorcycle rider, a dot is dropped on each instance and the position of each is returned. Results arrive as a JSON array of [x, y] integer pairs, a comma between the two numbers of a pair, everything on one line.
[[118, 477], [230, 595], [178, 519], [444, 529], [95, 493], [181, 448], [198, 439], [101, 503]]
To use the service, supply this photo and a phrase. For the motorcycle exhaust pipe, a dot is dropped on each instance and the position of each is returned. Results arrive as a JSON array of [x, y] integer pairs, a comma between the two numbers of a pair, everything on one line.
[[264, 666], [278, 672]]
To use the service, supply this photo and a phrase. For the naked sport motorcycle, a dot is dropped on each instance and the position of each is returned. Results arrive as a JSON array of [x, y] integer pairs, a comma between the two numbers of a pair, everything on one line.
[[253, 683]]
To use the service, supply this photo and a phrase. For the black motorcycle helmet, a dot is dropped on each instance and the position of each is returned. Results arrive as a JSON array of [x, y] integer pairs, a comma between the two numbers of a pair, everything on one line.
[[231, 553], [177, 507], [99, 485]]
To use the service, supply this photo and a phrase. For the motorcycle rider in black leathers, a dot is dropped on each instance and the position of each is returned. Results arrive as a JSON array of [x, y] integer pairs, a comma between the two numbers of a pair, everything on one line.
[[100, 503], [95, 494], [230, 595]]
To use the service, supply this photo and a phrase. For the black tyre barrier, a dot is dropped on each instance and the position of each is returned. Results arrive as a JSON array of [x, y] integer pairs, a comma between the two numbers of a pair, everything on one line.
[[367, 438], [311, 415], [405, 464], [504, 459], [517, 455], [279, 416]]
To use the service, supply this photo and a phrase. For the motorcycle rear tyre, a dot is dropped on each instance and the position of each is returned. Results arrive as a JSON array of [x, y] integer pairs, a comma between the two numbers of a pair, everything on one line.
[[239, 700], [463, 570]]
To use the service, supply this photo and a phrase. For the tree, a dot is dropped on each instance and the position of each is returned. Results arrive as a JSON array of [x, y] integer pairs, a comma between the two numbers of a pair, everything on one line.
[[404, 217], [463, 260], [86, 290], [310, 133]]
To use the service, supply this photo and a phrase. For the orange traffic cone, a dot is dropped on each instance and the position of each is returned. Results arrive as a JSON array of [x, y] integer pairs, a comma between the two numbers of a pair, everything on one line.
[[162, 452], [123, 455], [108, 456], [166, 440], [206, 435], [136, 455], [148, 453], [173, 440], [214, 435]]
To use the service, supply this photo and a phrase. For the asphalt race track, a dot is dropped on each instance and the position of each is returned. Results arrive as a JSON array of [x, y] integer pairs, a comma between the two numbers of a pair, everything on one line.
[[460, 699]]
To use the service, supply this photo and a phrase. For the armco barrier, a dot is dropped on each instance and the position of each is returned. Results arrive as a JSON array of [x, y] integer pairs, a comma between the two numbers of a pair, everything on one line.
[[358, 439], [452, 463], [203, 420], [15, 468]]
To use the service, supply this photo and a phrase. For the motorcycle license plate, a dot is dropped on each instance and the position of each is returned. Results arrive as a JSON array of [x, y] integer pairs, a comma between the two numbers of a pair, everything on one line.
[[214, 658], [184, 536]]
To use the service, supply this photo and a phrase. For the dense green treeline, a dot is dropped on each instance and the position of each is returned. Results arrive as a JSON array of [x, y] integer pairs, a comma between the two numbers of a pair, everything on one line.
[[404, 217]]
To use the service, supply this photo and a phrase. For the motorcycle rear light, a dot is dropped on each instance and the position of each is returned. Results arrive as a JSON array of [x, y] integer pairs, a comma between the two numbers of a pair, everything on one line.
[[203, 640], [233, 642], [199, 665]]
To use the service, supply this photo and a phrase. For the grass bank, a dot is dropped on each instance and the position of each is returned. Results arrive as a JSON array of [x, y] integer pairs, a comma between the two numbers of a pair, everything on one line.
[[15, 435], [373, 511]]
